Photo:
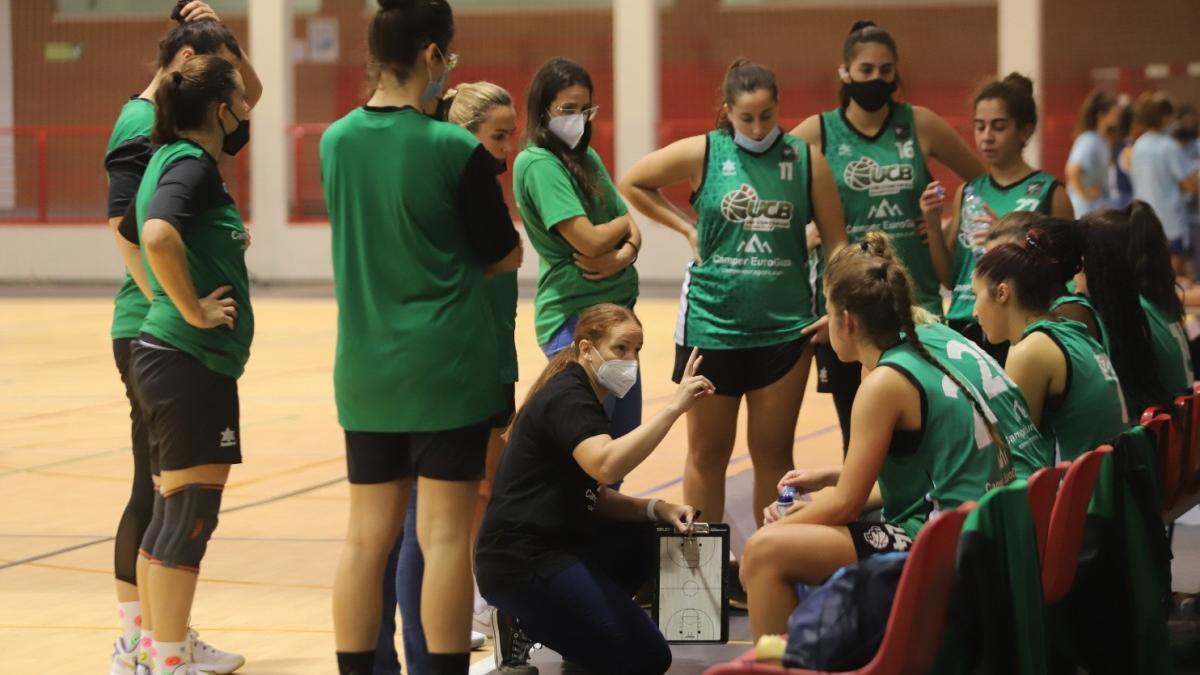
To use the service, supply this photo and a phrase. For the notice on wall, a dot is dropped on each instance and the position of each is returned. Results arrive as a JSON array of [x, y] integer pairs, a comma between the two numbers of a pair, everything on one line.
[[61, 52], [323, 44]]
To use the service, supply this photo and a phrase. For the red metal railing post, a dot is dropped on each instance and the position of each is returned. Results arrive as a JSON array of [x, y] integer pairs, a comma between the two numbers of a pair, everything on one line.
[[43, 174]]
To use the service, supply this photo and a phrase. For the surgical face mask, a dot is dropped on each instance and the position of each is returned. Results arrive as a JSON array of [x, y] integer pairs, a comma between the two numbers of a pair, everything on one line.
[[757, 147], [569, 128], [617, 376], [238, 138], [871, 94], [434, 89]]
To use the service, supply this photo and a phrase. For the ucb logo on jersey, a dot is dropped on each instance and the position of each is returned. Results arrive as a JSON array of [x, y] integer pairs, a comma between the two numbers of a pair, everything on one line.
[[1034, 190], [865, 173], [885, 209], [742, 206]]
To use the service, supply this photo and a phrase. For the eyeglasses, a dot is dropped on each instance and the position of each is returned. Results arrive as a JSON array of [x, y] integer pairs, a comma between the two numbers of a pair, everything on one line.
[[570, 109]]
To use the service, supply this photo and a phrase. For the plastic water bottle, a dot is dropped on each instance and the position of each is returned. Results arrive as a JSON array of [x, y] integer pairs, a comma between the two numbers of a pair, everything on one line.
[[973, 212], [787, 497]]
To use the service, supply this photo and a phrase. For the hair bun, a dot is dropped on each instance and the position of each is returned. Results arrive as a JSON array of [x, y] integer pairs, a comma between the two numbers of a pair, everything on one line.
[[1019, 81], [396, 4], [177, 13], [861, 24]]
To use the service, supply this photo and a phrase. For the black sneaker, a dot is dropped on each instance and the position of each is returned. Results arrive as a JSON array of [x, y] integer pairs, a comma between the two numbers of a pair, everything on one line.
[[512, 646]]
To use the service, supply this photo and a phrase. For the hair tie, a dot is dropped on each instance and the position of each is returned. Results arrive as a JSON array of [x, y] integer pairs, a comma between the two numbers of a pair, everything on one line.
[[176, 77], [882, 270], [863, 245]]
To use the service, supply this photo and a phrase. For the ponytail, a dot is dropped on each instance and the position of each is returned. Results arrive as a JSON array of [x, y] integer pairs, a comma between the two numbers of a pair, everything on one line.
[[183, 97]]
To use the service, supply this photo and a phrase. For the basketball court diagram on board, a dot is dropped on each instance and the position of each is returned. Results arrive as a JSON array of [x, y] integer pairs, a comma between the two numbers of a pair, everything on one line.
[[691, 589]]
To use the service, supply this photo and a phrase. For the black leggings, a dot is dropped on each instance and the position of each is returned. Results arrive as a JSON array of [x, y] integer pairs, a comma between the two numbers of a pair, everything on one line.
[[137, 514]]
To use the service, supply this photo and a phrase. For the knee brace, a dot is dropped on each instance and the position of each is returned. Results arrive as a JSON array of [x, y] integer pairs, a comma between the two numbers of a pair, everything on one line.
[[189, 518], [154, 527]]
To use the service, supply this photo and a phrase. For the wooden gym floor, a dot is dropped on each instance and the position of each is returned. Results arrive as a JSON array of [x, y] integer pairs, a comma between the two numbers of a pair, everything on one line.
[[266, 586]]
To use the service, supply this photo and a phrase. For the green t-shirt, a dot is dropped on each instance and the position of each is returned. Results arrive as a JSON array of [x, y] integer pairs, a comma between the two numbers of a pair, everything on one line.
[[502, 291], [1091, 410], [880, 179], [1001, 396], [416, 345], [1172, 355], [546, 196], [954, 459], [1031, 193], [214, 240], [133, 126], [751, 288]]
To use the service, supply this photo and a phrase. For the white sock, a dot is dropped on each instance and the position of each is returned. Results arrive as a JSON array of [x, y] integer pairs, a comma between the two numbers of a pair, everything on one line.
[[131, 622], [170, 655], [145, 644]]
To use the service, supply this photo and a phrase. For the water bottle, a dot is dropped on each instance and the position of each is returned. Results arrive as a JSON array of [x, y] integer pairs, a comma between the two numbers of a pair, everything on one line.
[[787, 497], [973, 212]]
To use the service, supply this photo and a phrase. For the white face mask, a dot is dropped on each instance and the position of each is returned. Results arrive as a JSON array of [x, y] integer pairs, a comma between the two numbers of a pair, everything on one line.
[[617, 376], [757, 147], [569, 128]]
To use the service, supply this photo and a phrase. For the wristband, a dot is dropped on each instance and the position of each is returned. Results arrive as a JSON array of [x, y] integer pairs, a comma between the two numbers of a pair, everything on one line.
[[650, 509]]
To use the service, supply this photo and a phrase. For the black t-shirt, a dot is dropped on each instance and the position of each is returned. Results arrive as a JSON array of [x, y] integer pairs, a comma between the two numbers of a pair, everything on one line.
[[542, 499], [189, 187]]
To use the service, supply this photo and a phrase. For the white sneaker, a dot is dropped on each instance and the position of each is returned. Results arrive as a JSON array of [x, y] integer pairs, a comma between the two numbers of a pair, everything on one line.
[[208, 659], [481, 621], [192, 669], [477, 639], [124, 658]]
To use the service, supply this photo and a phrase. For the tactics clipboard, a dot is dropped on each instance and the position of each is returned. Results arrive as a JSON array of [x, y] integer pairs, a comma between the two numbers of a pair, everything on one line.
[[691, 599]]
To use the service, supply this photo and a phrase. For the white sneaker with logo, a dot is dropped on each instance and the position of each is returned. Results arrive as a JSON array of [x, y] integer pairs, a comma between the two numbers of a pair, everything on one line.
[[477, 639], [208, 659]]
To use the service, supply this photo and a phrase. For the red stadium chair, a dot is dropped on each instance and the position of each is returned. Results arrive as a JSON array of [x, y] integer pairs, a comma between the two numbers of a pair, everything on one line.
[[915, 626], [1065, 533], [1170, 455], [1043, 487], [1187, 420]]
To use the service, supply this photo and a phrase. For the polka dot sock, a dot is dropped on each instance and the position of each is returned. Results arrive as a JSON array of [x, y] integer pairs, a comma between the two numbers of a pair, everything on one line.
[[131, 622], [145, 646], [170, 655]]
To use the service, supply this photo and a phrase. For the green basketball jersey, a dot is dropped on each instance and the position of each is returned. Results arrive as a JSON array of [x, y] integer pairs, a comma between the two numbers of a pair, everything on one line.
[[955, 459], [1002, 398], [134, 124], [1031, 193], [1073, 298], [416, 345], [751, 288], [1091, 410], [214, 244], [880, 179], [1172, 355]]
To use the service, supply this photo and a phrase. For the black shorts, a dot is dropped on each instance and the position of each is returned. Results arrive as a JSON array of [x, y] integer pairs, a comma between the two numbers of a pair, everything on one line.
[[502, 418], [875, 538], [736, 371], [974, 332], [192, 413], [833, 375], [382, 456], [139, 434]]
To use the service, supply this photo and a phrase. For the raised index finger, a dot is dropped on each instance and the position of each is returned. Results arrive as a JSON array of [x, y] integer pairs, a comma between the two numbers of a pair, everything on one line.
[[690, 369]]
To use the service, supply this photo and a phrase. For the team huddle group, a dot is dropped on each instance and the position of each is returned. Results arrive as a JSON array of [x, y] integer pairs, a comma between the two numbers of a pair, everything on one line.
[[831, 242]]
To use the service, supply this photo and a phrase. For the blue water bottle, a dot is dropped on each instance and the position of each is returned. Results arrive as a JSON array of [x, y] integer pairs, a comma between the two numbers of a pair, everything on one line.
[[787, 497]]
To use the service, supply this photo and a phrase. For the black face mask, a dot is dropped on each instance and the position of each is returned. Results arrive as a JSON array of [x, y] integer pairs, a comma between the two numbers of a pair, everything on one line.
[[871, 95], [501, 166], [238, 138]]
